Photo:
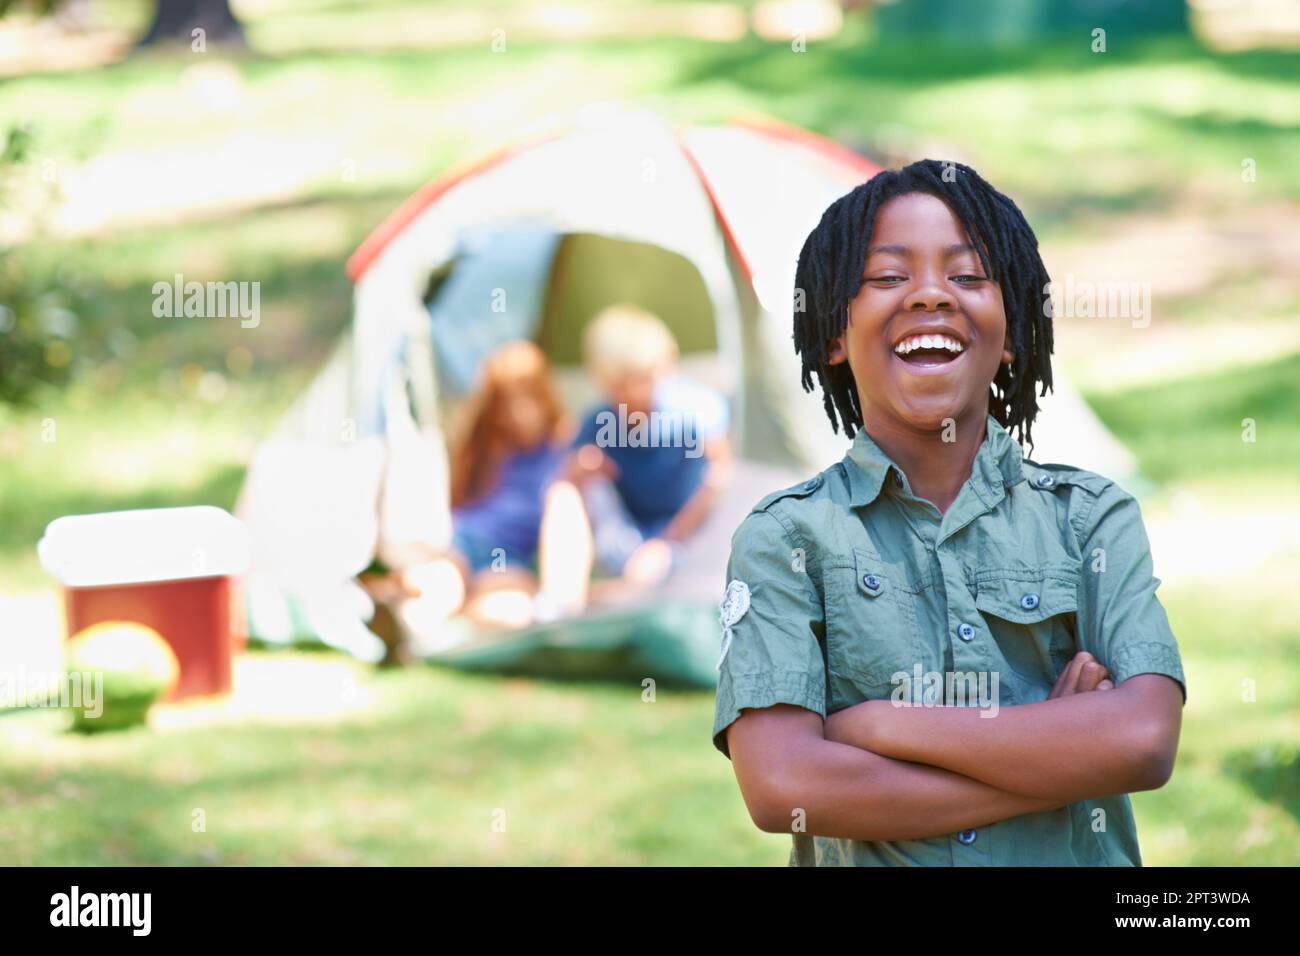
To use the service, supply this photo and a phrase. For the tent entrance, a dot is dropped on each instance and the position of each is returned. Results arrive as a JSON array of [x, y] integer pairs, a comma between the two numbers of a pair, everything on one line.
[[552, 286], [593, 271]]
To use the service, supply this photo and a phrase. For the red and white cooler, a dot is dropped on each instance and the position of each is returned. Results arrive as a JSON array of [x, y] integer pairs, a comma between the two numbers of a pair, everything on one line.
[[173, 569]]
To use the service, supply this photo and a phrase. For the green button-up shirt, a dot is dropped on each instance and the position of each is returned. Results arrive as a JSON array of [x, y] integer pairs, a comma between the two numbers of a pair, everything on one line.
[[851, 580]]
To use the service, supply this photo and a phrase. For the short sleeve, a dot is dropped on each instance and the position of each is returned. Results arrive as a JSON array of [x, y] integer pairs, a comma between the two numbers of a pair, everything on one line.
[[1121, 621], [774, 656]]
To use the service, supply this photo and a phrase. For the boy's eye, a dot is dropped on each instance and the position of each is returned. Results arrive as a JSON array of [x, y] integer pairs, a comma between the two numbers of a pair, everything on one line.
[[969, 278]]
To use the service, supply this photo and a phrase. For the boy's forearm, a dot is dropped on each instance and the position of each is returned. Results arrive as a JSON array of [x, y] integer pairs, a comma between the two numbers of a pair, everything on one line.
[[1071, 748], [691, 514], [844, 791]]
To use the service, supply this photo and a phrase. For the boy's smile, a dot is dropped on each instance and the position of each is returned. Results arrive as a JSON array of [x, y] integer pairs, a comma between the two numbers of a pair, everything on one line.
[[927, 329], [930, 349]]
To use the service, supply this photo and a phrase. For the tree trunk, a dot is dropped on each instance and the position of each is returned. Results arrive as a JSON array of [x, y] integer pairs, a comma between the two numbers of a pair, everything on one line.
[[175, 20]]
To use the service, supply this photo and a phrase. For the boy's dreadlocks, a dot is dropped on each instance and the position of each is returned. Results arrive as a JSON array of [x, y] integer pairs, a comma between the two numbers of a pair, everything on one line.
[[833, 257]]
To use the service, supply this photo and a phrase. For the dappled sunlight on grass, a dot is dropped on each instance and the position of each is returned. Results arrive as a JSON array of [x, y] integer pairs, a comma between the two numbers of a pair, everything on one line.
[[277, 689], [425, 765], [425, 771], [1196, 425], [118, 457]]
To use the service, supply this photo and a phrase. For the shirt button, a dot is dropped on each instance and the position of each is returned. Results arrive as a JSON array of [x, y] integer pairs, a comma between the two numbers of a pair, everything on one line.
[[1044, 481], [966, 836], [965, 632], [898, 479], [872, 583], [1029, 601], [811, 485]]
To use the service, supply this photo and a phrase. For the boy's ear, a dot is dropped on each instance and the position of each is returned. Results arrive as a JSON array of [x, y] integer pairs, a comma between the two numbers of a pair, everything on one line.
[[838, 354]]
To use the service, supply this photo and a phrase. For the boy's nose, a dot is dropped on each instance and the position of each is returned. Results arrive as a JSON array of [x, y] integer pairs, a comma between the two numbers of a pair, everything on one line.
[[929, 298]]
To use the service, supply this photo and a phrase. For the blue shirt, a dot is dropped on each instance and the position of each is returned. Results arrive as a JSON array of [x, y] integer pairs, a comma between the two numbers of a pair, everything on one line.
[[660, 456], [509, 516]]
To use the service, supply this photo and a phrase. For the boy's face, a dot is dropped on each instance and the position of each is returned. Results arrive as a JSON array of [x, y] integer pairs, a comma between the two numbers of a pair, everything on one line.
[[636, 390], [922, 277]]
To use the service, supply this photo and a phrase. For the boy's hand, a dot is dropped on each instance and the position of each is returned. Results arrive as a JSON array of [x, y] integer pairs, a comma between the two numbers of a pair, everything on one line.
[[589, 461], [1083, 673], [649, 563], [854, 725]]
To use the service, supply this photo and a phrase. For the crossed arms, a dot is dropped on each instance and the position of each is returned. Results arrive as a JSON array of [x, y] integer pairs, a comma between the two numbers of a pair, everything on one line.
[[877, 771]]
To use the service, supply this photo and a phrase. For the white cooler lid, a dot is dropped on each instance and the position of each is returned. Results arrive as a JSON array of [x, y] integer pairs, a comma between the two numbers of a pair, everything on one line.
[[139, 547]]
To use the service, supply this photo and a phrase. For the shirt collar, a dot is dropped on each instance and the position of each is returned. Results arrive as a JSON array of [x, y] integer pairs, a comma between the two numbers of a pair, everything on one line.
[[997, 464]]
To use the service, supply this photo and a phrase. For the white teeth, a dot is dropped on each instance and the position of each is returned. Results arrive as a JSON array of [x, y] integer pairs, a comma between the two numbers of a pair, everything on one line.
[[928, 342]]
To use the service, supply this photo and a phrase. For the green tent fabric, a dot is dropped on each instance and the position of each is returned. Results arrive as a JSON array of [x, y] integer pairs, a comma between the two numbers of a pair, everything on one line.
[[674, 645]]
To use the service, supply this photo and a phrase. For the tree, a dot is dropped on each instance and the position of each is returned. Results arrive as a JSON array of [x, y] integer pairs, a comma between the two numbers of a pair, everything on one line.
[[173, 20], [178, 19]]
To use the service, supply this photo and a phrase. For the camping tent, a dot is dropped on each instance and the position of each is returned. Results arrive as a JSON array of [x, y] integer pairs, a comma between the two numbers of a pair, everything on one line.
[[701, 224]]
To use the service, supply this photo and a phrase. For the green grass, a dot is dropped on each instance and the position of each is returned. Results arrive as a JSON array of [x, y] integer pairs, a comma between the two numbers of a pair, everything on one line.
[[580, 774], [1132, 127], [583, 773], [1232, 800], [155, 446], [1192, 428]]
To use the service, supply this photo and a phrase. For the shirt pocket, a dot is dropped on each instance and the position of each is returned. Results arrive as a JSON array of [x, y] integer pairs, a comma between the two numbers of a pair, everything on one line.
[[1032, 614], [871, 628]]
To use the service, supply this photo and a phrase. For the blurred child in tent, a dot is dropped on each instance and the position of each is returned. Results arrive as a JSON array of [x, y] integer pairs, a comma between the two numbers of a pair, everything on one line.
[[502, 466], [652, 459]]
